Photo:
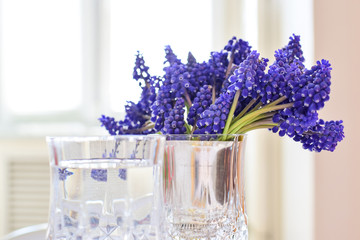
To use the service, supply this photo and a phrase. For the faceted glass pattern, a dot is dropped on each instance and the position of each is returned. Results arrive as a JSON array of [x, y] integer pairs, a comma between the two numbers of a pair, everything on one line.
[[204, 187], [106, 188]]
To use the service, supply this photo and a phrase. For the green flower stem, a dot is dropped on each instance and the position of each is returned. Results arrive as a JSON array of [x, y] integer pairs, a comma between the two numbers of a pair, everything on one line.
[[256, 107], [187, 107], [147, 117], [228, 70], [188, 128], [250, 122], [138, 130], [242, 113], [255, 126], [264, 116], [231, 112], [250, 116], [193, 129], [238, 127], [277, 101], [213, 93], [187, 98], [261, 117]]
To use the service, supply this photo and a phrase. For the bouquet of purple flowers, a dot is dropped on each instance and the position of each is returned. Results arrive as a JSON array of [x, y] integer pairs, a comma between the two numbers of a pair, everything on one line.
[[234, 92]]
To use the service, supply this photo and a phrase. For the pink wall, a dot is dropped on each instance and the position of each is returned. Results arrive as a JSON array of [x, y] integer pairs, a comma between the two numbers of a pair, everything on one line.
[[337, 174]]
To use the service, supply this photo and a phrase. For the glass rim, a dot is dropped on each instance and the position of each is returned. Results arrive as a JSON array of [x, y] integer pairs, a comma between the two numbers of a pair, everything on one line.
[[102, 138], [205, 134], [213, 137]]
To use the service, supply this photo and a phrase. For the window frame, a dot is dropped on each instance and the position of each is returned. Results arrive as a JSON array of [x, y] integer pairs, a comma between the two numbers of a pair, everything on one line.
[[94, 41]]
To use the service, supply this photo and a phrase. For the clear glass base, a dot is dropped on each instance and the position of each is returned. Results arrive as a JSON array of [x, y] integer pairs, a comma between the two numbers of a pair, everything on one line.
[[224, 229]]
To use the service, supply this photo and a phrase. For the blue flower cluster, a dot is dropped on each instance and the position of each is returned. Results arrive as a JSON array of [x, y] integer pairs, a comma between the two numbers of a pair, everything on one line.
[[174, 124], [184, 81], [282, 77], [234, 92], [137, 114], [201, 102], [170, 56], [141, 70], [161, 107], [322, 136], [111, 125], [218, 65], [293, 50], [248, 78], [181, 81], [239, 48], [307, 90], [213, 119]]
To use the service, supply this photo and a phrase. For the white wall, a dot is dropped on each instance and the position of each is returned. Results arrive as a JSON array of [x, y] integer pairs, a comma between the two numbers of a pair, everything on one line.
[[24, 183], [337, 174]]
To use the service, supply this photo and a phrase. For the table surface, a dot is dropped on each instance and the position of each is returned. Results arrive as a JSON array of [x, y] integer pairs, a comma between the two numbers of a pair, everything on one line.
[[35, 232]]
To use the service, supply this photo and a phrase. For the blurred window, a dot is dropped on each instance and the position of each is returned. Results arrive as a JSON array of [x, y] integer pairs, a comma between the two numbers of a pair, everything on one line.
[[41, 56], [148, 26], [64, 63]]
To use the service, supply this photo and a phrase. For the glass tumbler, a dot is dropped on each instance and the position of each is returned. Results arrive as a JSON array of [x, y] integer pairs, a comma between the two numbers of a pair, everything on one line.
[[106, 187], [204, 187]]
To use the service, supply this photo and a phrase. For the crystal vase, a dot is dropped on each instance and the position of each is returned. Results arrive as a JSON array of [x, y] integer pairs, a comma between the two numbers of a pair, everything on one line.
[[106, 188], [204, 187]]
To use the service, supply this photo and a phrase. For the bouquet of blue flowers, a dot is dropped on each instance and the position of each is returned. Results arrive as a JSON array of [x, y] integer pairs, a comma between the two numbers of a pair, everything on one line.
[[234, 92]]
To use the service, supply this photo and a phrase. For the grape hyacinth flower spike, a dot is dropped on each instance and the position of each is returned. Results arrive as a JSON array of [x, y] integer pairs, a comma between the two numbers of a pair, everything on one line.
[[234, 92]]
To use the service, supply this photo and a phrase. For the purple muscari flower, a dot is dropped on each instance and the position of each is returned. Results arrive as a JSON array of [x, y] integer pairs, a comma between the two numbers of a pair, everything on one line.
[[161, 107], [110, 125], [239, 48], [171, 58], [99, 174], [174, 124], [140, 69], [213, 119], [249, 77], [178, 79], [137, 114], [185, 79], [134, 114], [134, 119], [292, 51], [292, 122], [317, 88], [309, 95], [199, 76], [284, 74], [218, 65], [191, 60], [148, 97], [281, 79], [322, 136], [201, 102], [122, 173], [64, 173]]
